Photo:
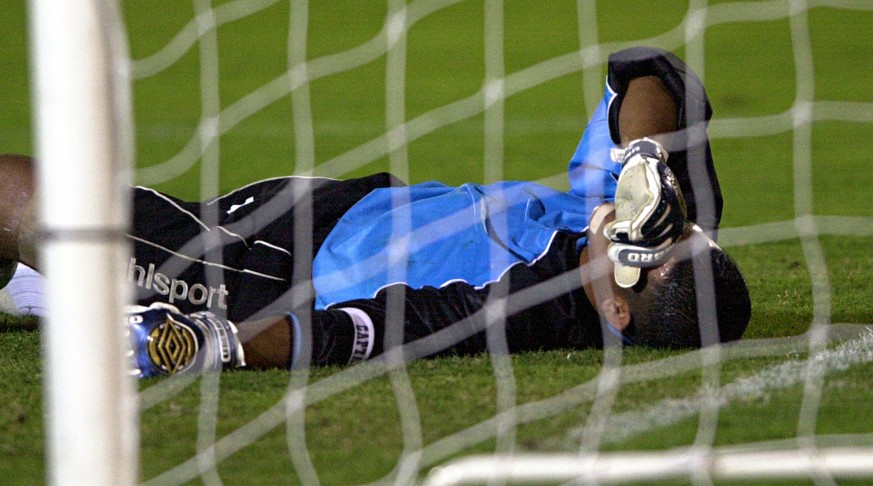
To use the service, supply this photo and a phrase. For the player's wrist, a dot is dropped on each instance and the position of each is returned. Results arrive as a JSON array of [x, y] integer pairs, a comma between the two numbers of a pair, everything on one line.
[[643, 149], [602, 214]]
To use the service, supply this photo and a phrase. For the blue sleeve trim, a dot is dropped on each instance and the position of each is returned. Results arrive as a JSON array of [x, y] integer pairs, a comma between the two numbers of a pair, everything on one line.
[[624, 339], [296, 338]]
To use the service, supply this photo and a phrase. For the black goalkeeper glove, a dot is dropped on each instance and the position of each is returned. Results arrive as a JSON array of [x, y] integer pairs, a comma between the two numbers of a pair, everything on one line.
[[650, 211]]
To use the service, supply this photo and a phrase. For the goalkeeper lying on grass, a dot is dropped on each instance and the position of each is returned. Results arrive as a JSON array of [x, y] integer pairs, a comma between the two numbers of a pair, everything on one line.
[[318, 271]]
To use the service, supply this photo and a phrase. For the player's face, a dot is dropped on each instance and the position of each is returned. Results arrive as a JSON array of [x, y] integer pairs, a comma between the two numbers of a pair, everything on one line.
[[614, 303], [597, 272], [595, 266], [693, 242]]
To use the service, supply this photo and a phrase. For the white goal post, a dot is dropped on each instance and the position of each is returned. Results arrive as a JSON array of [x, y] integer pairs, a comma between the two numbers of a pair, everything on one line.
[[82, 147], [688, 463]]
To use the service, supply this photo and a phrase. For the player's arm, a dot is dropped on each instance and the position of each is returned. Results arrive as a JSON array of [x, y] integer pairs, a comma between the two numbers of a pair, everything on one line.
[[166, 342], [650, 211], [672, 95], [646, 110], [633, 225], [349, 332]]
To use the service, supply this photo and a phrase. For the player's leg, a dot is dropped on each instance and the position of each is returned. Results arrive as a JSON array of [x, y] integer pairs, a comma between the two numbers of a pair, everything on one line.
[[17, 231]]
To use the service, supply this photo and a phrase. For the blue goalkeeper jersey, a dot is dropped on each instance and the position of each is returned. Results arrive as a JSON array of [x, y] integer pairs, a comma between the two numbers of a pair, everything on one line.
[[445, 243], [431, 234]]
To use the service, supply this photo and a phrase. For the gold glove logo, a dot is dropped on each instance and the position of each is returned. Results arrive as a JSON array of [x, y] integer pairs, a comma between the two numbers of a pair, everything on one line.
[[172, 346]]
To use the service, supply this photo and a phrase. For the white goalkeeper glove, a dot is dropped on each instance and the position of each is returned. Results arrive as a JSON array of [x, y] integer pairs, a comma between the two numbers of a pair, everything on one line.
[[650, 211], [166, 342]]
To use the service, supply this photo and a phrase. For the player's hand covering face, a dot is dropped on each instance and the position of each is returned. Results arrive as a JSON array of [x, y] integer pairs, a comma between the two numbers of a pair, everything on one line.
[[650, 212], [614, 303]]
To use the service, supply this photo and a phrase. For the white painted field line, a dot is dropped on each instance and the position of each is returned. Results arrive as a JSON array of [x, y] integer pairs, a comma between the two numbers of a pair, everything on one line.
[[783, 375], [728, 463]]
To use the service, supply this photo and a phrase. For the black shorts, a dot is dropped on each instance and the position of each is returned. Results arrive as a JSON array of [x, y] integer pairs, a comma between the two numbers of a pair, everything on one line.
[[236, 254]]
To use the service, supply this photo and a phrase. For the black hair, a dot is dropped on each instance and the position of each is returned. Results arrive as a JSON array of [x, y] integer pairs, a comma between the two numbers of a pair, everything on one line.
[[669, 319]]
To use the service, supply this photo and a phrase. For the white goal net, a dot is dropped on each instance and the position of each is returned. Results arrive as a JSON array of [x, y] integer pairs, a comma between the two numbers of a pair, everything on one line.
[[315, 89]]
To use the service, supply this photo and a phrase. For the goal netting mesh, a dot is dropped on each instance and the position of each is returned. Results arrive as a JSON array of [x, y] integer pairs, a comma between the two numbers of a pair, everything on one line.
[[336, 96]]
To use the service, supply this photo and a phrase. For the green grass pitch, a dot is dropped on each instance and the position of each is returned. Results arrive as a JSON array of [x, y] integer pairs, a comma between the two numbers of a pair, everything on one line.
[[355, 436]]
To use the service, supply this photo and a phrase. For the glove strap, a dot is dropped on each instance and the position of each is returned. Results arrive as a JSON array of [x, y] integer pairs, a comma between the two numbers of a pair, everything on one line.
[[638, 256], [630, 259], [227, 350], [644, 147]]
